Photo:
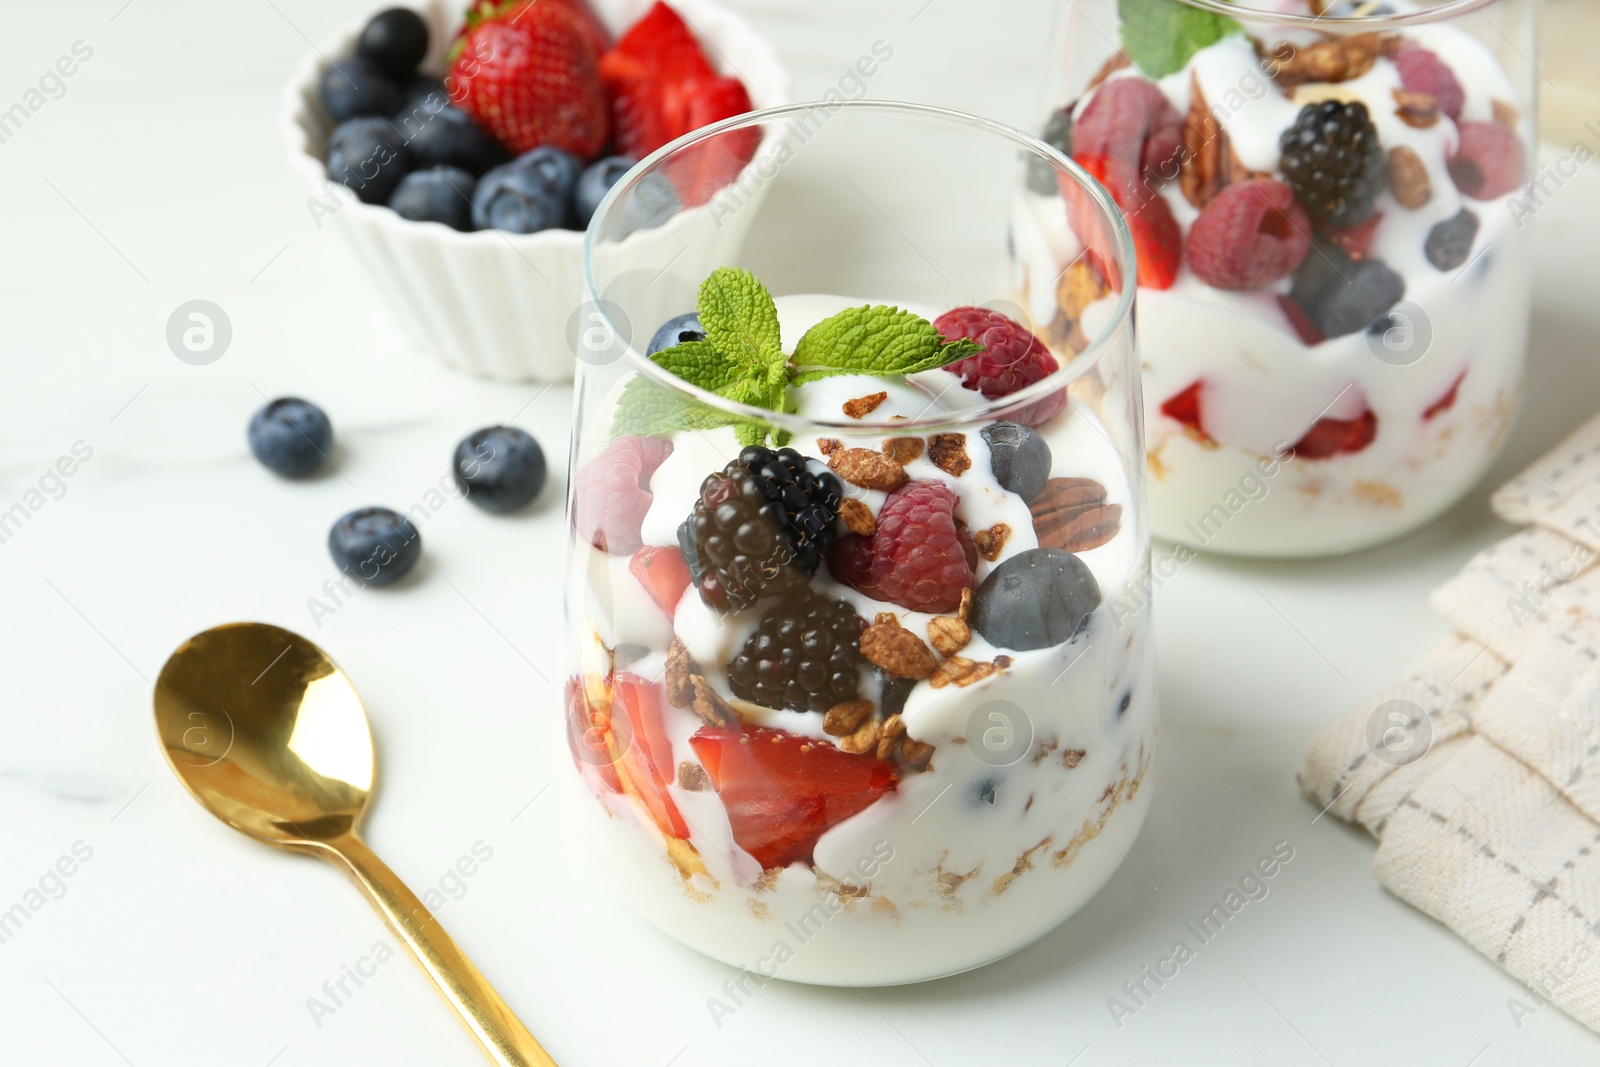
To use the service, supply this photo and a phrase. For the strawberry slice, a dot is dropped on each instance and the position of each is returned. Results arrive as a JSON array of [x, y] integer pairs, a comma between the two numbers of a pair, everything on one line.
[[617, 731], [783, 792], [1334, 437], [1304, 325], [1446, 402], [664, 575], [640, 122], [1184, 407], [666, 44], [1157, 242]]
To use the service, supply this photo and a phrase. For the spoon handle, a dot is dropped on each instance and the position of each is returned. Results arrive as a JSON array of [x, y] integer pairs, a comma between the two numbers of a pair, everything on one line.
[[497, 1029]]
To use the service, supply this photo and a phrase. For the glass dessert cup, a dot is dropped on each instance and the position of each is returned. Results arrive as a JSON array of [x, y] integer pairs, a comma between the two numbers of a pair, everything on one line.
[[860, 681], [1335, 269]]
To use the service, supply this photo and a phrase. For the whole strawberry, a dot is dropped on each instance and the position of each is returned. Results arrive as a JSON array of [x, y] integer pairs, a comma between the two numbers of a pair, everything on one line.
[[526, 71]]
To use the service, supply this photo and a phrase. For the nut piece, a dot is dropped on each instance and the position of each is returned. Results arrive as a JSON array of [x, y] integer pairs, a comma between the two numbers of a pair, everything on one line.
[[949, 453], [1417, 110], [693, 778], [964, 612], [864, 739], [892, 732], [1408, 177], [948, 636], [992, 542], [903, 449], [862, 406], [961, 672], [1119, 61], [1506, 114], [1071, 514], [1080, 286], [829, 445], [915, 755], [680, 671], [858, 517], [844, 719], [897, 650], [868, 469], [1332, 59], [1203, 165], [709, 705]]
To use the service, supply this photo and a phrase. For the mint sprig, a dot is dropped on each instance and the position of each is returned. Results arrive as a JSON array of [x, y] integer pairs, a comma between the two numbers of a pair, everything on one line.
[[874, 340], [1160, 36], [741, 359]]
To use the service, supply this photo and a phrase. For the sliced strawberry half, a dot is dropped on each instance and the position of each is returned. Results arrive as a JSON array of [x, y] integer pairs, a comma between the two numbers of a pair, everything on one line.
[[640, 123], [1337, 437], [1184, 407], [665, 43], [616, 730], [663, 573], [783, 792], [1445, 402]]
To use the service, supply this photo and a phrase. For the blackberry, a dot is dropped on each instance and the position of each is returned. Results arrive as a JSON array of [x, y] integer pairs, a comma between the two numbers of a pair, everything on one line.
[[759, 528], [805, 655], [1057, 133], [1332, 160]]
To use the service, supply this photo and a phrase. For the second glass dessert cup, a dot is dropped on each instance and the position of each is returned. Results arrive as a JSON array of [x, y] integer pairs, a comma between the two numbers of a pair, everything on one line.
[[860, 681], [1335, 264]]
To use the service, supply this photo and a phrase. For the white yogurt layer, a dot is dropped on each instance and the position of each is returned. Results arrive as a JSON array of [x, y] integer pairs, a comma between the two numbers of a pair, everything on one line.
[[967, 861], [1463, 336]]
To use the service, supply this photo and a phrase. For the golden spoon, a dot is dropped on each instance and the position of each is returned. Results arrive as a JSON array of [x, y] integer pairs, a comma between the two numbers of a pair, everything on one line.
[[269, 735]]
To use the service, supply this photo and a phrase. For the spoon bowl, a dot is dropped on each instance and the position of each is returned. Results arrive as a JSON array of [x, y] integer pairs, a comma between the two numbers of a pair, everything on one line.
[[267, 732], [269, 736]]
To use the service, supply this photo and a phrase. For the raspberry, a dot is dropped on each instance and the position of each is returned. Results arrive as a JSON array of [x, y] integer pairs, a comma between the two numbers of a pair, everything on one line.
[[1421, 71], [1489, 162], [1126, 136], [613, 492], [1250, 235], [760, 527], [1341, 295], [1012, 359], [916, 558], [1332, 160], [805, 654]]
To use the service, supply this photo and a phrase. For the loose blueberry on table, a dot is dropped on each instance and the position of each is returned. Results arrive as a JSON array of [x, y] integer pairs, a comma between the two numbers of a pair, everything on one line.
[[291, 437], [500, 468], [375, 545]]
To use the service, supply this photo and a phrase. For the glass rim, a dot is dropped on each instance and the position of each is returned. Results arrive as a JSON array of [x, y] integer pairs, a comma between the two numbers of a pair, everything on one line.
[[1069, 371], [1244, 12]]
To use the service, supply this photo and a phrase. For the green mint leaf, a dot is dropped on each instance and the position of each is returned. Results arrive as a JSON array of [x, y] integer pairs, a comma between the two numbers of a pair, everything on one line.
[[741, 320], [652, 410], [698, 363], [1159, 36], [876, 340]]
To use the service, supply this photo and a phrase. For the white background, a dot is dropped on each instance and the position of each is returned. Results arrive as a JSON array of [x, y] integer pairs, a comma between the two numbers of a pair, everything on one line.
[[159, 178]]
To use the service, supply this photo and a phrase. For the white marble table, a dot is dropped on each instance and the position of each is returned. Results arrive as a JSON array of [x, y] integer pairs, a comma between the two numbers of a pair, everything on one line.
[[156, 179]]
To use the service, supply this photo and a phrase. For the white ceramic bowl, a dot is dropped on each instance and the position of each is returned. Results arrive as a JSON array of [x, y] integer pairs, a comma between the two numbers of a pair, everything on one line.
[[493, 304]]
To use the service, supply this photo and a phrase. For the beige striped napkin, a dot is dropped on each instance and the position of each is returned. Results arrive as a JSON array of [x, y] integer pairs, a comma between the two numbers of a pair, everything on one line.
[[1479, 774]]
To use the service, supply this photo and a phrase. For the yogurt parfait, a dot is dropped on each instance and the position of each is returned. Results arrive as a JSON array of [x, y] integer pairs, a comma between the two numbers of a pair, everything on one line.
[[859, 681], [1334, 278]]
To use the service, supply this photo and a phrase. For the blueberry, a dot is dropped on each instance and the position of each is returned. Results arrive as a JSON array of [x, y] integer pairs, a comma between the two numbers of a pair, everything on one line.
[[1057, 133], [394, 41], [1019, 458], [354, 87], [1035, 599], [375, 545], [1344, 295], [421, 93], [447, 137], [438, 194], [516, 199], [369, 156], [558, 168], [291, 436], [676, 331], [499, 468], [651, 202], [1450, 242], [595, 182]]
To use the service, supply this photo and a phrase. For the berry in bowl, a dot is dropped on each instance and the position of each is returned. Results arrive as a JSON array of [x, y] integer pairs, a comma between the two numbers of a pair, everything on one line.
[[463, 157], [860, 686], [1334, 279]]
